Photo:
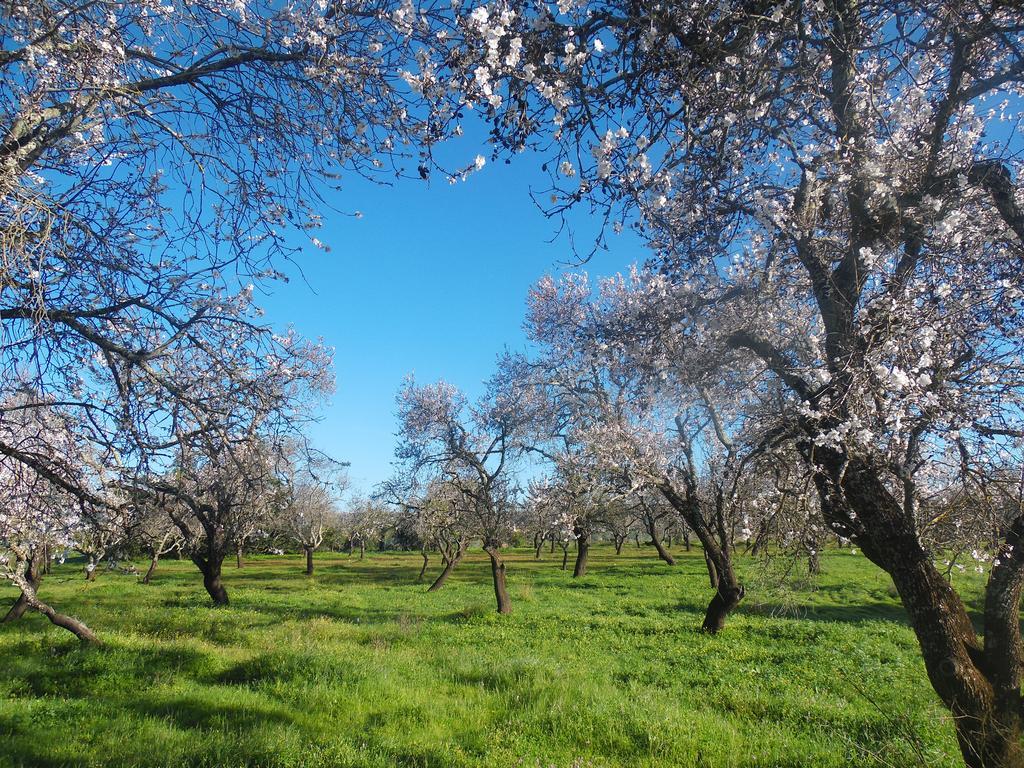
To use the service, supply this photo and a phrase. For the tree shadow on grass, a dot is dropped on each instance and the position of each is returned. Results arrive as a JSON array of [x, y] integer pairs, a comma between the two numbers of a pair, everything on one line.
[[192, 713]]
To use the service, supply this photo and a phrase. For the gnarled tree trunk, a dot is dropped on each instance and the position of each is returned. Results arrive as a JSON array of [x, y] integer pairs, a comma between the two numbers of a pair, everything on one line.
[[498, 574], [981, 685], [582, 552], [71, 624], [34, 577], [728, 591], [210, 567]]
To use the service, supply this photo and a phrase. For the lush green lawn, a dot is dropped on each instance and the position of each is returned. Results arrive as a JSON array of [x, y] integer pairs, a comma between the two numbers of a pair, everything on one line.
[[359, 666]]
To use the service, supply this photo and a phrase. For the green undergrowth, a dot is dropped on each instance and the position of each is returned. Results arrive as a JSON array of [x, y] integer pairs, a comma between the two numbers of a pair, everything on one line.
[[359, 666]]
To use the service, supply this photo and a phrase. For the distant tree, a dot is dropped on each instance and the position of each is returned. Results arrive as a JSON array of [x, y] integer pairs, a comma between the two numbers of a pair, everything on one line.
[[474, 450]]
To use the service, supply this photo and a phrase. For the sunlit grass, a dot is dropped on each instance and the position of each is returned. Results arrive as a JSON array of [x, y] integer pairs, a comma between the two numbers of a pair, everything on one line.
[[359, 666]]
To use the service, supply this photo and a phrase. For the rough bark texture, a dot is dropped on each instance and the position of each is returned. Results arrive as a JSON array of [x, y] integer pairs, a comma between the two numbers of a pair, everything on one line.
[[33, 577], [211, 570], [498, 574], [582, 551], [980, 686]]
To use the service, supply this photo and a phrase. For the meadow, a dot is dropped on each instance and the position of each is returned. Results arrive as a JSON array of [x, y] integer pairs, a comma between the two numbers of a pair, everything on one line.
[[359, 666]]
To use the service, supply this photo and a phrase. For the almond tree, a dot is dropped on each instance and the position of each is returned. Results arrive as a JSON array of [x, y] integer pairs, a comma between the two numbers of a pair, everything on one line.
[[158, 535], [828, 189], [312, 485], [159, 161], [44, 499], [474, 450]]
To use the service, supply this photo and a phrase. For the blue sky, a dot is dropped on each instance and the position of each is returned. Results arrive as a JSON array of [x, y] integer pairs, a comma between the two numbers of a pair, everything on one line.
[[431, 280]]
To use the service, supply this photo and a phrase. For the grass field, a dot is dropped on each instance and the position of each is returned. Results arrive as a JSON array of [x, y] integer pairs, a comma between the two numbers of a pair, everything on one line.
[[358, 666]]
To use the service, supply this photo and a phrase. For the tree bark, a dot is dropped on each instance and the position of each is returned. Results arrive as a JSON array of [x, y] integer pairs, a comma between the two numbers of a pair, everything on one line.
[[538, 542], [663, 553], [238, 558], [72, 625], [498, 574], [582, 553], [362, 550], [980, 686], [309, 560], [34, 578], [211, 570], [728, 591], [448, 568], [426, 562], [565, 555], [619, 541], [152, 568]]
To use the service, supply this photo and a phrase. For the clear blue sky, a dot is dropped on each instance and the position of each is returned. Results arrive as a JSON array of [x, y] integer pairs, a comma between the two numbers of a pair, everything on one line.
[[431, 280]]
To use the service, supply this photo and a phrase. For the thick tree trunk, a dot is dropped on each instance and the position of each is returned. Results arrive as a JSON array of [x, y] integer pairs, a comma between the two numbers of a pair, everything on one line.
[[980, 686], [448, 568], [21, 605], [498, 574], [211, 570], [582, 552], [309, 560], [152, 568]]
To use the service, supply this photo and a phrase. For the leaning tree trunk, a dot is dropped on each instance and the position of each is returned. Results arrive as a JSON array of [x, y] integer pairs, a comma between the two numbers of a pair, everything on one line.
[[309, 560], [33, 576], [152, 568], [538, 546], [980, 685], [728, 591], [448, 568], [211, 566], [71, 624], [565, 554], [582, 552], [426, 562], [498, 574], [619, 541], [663, 553]]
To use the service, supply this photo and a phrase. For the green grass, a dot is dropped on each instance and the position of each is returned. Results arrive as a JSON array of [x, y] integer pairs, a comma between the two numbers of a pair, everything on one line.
[[359, 666]]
